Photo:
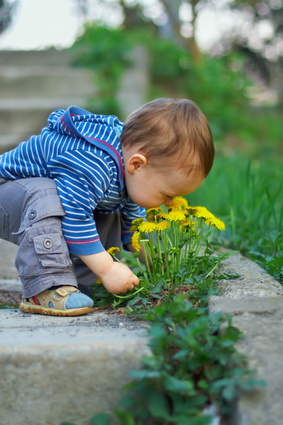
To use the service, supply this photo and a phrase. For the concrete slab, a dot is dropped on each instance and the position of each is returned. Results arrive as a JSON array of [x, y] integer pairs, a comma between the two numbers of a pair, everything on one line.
[[65, 369], [261, 320], [8, 253], [55, 369], [32, 85]]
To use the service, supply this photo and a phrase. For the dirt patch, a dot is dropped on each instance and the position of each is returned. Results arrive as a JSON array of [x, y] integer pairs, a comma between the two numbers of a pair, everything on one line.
[[10, 299]]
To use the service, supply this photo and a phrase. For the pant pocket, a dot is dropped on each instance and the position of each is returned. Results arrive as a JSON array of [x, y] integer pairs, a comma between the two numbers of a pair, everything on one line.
[[4, 223], [42, 254], [51, 250]]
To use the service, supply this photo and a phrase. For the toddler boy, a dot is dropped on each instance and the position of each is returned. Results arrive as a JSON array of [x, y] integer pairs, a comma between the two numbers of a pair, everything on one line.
[[73, 191]]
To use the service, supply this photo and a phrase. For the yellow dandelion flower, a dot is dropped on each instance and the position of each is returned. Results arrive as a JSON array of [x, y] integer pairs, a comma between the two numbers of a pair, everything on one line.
[[147, 227], [202, 212], [113, 250], [162, 216], [133, 228], [99, 280], [137, 221], [154, 210], [176, 216], [187, 223], [151, 218], [216, 222], [162, 225], [136, 241], [179, 203]]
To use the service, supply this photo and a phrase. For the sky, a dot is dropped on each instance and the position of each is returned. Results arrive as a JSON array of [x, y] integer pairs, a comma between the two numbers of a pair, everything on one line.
[[39, 24]]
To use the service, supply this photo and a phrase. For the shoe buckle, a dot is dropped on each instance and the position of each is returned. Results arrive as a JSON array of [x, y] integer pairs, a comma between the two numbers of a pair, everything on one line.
[[62, 292]]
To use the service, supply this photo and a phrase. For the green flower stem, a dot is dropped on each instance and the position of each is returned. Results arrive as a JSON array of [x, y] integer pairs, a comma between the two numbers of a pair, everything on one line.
[[153, 259], [205, 237], [159, 253], [124, 297], [197, 232], [145, 275], [164, 239], [146, 255], [178, 254], [213, 268], [199, 240], [214, 230]]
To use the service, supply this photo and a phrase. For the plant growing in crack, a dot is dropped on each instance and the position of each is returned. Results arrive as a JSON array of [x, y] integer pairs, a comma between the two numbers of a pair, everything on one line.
[[177, 251]]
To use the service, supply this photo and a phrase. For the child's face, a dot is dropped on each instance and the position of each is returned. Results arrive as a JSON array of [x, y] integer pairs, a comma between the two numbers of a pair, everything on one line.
[[147, 187]]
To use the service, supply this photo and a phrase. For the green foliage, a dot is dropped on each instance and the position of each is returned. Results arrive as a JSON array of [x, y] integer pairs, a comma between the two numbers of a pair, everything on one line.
[[215, 84], [218, 85], [193, 364], [105, 51], [248, 196], [177, 255]]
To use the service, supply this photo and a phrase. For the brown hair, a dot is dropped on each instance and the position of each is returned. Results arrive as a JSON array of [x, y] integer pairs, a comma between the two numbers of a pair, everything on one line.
[[165, 128]]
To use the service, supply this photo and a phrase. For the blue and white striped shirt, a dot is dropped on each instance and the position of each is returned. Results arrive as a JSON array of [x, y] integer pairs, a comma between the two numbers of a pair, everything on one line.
[[82, 153]]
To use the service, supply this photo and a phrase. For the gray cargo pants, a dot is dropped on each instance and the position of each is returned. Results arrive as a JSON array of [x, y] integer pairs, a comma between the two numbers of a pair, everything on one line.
[[30, 217]]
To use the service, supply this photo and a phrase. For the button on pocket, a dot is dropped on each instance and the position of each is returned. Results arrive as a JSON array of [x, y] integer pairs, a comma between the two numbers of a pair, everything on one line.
[[47, 243], [32, 215], [50, 250]]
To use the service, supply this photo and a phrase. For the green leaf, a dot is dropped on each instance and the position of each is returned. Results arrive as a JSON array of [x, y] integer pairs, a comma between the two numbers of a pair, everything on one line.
[[181, 354], [176, 385], [100, 419], [202, 383], [125, 417], [229, 392], [134, 301], [201, 420], [158, 407], [144, 374]]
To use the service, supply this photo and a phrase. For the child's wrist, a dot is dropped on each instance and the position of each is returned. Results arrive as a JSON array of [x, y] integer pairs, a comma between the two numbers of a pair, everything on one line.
[[99, 263]]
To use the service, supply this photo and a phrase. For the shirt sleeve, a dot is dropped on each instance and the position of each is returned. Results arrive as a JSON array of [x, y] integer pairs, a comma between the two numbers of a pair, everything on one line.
[[130, 212], [81, 185]]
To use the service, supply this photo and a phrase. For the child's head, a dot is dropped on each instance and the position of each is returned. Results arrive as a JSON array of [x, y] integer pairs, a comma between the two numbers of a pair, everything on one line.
[[171, 132], [168, 151]]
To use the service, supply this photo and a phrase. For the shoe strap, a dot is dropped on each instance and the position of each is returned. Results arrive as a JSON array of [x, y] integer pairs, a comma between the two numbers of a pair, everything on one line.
[[65, 292]]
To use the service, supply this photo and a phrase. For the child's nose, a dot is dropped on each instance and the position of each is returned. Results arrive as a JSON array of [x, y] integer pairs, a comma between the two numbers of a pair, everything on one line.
[[168, 202]]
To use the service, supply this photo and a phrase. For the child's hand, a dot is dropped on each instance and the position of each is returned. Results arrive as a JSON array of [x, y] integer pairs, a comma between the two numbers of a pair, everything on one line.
[[116, 277], [119, 279]]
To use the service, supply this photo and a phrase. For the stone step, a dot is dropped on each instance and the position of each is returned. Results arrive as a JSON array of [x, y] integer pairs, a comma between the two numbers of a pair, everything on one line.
[[45, 82], [21, 118], [55, 369], [32, 85], [26, 58]]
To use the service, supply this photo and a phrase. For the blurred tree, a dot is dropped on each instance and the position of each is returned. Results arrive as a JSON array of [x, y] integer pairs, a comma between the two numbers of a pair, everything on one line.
[[6, 10], [256, 31], [173, 10]]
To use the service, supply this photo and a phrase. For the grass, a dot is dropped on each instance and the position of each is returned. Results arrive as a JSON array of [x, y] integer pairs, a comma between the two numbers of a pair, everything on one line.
[[247, 195]]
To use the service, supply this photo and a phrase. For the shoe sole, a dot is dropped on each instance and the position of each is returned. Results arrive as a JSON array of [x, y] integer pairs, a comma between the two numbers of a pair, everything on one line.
[[36, 309]]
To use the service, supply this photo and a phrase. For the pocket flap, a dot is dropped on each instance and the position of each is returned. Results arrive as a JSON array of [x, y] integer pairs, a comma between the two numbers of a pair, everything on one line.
[[48, 243]]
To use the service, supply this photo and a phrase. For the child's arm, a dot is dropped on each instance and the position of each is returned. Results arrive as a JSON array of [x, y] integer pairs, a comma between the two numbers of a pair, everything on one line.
[[116, 277]]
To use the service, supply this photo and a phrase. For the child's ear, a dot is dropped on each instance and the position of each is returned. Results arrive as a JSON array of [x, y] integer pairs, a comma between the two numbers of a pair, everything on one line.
[[136, 162]]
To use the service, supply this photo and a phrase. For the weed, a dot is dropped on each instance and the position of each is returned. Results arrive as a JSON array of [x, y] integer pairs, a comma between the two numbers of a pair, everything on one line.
[[194, 364], [175, 247]]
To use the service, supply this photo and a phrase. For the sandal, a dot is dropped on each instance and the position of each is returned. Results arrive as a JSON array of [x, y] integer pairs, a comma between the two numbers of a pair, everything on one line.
[[62, 301]]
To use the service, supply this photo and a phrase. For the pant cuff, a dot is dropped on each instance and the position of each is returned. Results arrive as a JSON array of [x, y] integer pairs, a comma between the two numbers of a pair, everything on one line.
[[36, 286]]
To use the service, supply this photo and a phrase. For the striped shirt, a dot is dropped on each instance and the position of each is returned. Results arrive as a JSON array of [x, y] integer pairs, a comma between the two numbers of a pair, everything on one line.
[[82, 153]]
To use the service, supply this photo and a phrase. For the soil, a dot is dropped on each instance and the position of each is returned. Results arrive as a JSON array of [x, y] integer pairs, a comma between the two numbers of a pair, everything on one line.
[[10, 299]]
